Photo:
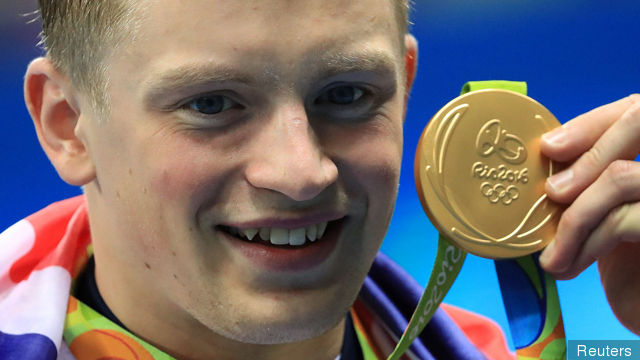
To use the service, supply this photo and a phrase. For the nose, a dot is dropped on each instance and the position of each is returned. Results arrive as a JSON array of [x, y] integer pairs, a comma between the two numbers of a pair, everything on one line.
[[290, 159]]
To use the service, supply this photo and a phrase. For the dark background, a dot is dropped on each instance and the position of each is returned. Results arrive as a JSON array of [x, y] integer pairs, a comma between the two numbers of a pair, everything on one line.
[[574, 54]]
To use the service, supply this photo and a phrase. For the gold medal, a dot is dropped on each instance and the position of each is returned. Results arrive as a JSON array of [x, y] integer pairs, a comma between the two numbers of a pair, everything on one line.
[[480, 175]]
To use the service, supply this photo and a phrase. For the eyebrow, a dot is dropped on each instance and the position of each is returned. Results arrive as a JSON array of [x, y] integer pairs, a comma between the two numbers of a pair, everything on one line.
[[333, 63], [325, 65], [193, 76]]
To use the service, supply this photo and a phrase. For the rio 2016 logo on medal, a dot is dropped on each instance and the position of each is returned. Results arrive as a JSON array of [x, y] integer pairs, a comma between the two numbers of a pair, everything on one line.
[[481, 176]]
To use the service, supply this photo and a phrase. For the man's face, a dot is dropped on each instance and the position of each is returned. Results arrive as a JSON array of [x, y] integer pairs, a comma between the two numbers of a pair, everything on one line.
[[229, 119]]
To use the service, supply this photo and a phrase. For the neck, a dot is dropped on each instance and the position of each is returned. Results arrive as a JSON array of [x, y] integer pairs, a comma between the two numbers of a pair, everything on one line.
[[170, 329]]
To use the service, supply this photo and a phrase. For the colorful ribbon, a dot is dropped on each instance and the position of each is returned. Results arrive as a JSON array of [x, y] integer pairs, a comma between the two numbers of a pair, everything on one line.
[[529, 293]]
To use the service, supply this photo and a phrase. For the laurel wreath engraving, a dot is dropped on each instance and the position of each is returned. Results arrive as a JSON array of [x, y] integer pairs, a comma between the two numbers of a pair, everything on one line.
[[469, 232]]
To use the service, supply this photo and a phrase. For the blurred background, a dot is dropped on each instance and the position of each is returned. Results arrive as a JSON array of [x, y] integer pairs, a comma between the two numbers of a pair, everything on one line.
[[575, 55]]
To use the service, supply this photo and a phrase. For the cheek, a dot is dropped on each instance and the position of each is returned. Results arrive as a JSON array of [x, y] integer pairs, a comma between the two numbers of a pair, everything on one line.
[[181, 172], [378, 176], [373, 159], [379, 172], [171, 179], [370, 171], [191, 166]]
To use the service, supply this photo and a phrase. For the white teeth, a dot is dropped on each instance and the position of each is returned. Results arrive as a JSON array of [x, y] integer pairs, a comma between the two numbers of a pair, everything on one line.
[[265, 233], [321, 228], [297, 236], [250, 233], [279, 236], [312, 232]]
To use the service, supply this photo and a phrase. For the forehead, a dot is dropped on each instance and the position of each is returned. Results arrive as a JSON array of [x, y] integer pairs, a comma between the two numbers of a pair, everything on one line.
[[269, 16], [260, 31]]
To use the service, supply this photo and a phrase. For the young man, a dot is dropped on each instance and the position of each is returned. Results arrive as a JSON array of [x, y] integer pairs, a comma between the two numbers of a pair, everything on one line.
[[240, 163]]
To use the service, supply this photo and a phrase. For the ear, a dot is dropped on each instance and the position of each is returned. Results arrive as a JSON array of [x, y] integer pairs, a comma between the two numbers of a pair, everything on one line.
[[410, 64], [56, 115]]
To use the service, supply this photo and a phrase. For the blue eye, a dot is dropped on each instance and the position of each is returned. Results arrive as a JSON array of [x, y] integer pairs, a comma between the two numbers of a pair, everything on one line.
[[341, 95], [210, 104]]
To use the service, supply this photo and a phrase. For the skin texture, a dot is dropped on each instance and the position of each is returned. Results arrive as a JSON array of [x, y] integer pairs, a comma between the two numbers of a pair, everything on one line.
[[601, 188], [159, 176]]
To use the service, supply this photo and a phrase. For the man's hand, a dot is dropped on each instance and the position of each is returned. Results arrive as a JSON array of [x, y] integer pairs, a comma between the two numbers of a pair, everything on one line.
[[601, 187]]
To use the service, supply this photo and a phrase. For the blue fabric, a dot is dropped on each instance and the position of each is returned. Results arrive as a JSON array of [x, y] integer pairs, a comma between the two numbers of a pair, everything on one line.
[[525, 308], [27, 347], [350, 345], [393, 295], [390, 315]]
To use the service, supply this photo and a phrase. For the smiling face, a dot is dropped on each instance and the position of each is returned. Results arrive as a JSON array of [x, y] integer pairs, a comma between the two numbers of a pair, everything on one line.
[[275, 120]]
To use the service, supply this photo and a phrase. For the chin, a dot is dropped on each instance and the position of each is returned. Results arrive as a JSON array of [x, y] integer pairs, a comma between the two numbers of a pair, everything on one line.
[[281, 324], [270, 334]]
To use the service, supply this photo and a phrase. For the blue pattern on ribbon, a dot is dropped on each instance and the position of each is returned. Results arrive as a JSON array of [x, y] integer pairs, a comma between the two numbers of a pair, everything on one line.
[[526, 309], [27, 347]]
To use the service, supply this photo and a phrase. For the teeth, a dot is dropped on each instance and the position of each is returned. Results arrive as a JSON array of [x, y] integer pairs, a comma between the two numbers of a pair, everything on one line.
[[250, 233], [321, 228], [312, 232], [279, 236], [265, 233], [297, 236]]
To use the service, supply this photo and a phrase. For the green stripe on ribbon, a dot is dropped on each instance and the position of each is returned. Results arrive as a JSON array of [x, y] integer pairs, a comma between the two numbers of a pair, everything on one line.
[[449, 260]]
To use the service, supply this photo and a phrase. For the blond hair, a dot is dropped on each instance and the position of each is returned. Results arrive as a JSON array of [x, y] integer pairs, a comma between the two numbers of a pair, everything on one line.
[[79, 35]]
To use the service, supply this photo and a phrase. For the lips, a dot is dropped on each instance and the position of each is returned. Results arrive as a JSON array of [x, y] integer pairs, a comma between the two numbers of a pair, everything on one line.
[[298, 253]]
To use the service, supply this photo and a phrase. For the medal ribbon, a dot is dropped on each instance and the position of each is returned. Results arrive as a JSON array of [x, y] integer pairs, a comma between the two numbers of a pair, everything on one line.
[[529, 293]]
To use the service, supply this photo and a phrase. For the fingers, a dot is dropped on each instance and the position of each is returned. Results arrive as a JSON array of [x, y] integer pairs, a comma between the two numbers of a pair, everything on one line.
[[621, 225], [604, 214], [578, 135], [620, 140], [620, 275]]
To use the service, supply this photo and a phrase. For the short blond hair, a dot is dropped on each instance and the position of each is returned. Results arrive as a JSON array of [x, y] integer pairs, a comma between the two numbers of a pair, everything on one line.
[[78, 35]]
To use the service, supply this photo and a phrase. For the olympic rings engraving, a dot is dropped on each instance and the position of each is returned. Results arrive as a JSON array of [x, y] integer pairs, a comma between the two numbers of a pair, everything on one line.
[[499, 193]]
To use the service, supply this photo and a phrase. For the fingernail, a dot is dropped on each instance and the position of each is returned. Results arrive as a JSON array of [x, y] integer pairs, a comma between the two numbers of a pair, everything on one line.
[[545, 259], [555, 137], [545, 256], [561, 181]]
